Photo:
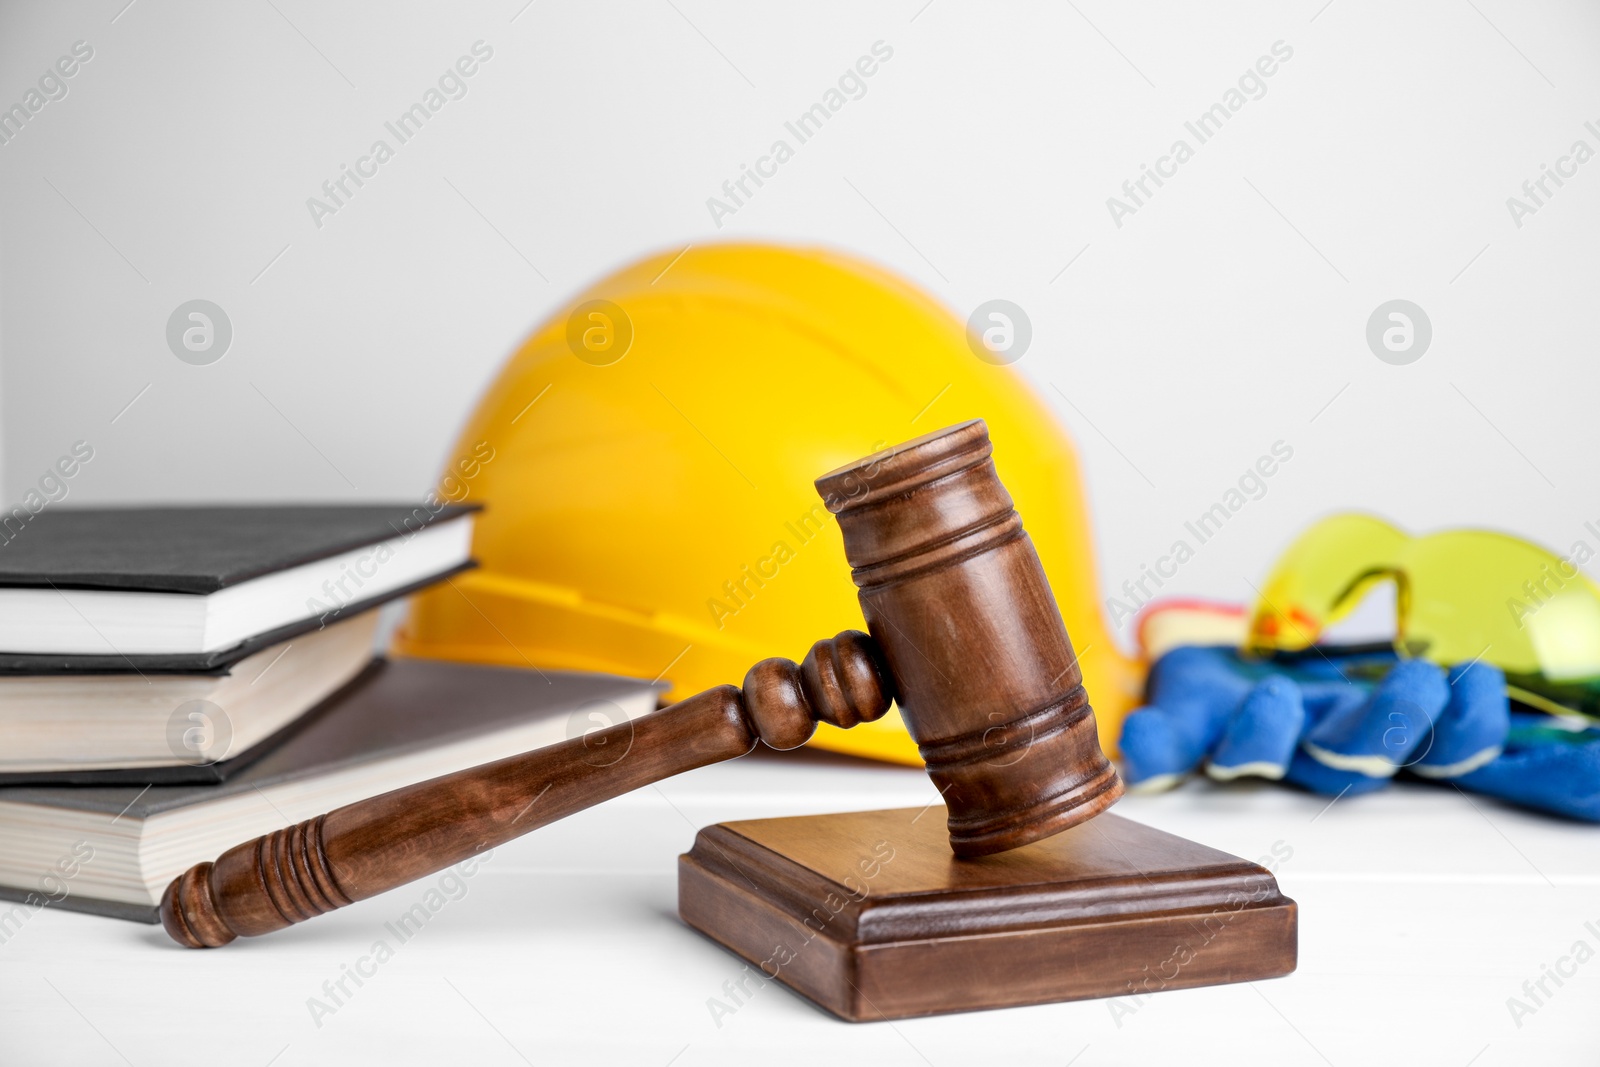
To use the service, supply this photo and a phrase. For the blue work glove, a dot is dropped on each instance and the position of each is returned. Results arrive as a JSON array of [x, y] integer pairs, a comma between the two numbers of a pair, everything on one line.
[[1348, 723], [1546, 766]]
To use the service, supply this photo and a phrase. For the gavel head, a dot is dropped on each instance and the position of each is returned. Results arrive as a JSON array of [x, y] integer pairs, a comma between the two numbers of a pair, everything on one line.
[[984, 673]]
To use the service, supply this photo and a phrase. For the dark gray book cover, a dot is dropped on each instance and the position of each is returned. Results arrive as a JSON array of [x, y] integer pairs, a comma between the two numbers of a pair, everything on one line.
[[196, 550]]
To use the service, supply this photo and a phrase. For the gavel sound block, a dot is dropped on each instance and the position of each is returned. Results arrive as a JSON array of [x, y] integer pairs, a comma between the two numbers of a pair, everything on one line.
[[874, 915], [966, 636]]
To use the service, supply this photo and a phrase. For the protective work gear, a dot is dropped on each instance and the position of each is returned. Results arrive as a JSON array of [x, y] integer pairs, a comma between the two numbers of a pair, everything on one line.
[[650, 507], [1461, 595], [1336, 722]]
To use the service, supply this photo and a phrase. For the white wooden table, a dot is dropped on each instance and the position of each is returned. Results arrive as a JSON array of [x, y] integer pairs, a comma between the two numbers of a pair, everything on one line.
[[1421, 913]]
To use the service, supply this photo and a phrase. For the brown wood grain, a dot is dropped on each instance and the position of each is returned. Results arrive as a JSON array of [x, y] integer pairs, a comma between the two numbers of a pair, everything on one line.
[[985, 675], [870, 915]]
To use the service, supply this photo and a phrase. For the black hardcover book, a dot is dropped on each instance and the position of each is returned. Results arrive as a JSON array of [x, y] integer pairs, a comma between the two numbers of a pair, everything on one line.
[[186, 589]]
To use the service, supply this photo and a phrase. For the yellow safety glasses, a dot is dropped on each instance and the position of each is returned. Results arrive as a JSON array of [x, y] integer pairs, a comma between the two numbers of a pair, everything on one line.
[[1461, 595]]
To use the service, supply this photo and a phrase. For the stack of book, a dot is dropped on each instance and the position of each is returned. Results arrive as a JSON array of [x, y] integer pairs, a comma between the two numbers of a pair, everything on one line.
[[176, 680]]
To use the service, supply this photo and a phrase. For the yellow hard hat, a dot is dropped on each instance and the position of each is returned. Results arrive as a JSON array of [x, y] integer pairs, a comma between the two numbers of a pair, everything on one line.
[[647, 460]]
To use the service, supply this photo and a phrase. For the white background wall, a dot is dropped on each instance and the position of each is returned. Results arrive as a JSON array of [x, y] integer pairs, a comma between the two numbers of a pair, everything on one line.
[[1228, 313]]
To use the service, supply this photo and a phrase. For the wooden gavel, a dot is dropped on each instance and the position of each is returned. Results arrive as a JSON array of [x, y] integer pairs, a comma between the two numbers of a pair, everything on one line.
[[965, 635]]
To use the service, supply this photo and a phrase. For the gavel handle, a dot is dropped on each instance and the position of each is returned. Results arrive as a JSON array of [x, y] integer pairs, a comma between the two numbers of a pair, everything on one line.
[[374, 845]]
